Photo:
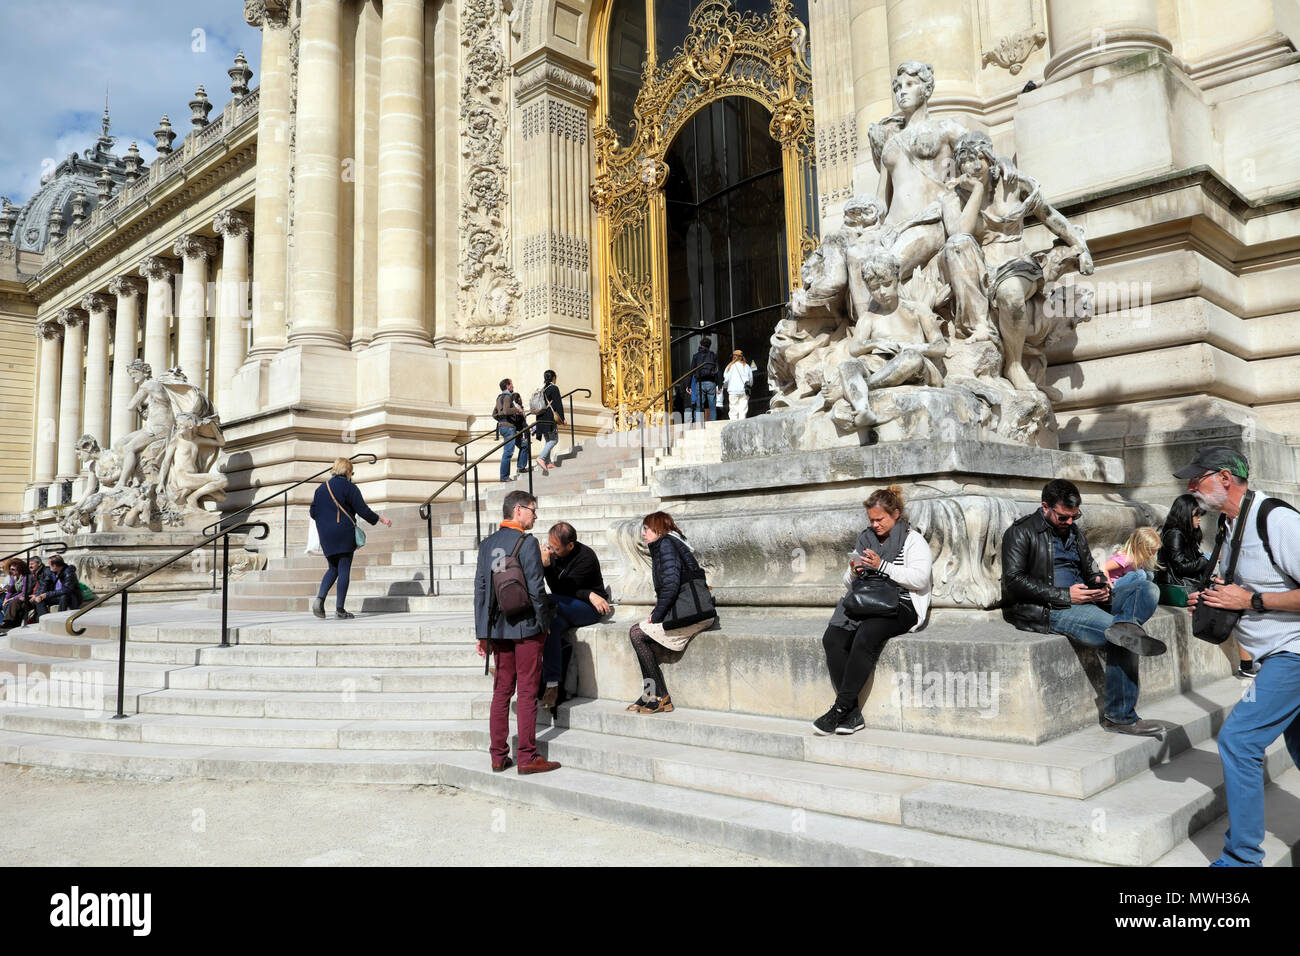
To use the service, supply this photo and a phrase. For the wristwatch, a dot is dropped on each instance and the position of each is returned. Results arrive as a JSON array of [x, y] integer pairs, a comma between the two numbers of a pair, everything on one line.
[[1257, 603]]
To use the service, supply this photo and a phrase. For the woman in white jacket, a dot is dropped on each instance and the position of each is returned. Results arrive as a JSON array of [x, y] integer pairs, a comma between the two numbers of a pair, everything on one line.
[[737, 377], [889, 547]]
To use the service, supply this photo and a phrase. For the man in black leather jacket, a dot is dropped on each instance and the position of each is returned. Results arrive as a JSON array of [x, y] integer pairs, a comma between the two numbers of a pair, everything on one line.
[[1051, 585]]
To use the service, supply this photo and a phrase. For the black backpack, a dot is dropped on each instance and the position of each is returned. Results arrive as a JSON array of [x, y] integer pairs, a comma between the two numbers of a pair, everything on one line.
[[1261, 529], [707, 371]]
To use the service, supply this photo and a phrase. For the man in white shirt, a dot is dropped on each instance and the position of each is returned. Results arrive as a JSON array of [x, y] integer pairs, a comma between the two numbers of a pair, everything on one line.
[[1267, 591]]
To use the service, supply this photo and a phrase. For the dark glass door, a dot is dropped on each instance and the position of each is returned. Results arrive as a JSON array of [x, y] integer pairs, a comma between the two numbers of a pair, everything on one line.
[[725, 200]]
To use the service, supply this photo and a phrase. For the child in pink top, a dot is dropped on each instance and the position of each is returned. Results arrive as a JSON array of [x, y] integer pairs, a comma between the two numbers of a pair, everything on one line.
[[1138, 554]]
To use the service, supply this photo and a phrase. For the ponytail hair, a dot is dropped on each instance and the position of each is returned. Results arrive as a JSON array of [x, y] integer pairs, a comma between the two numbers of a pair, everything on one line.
[[891, 499]]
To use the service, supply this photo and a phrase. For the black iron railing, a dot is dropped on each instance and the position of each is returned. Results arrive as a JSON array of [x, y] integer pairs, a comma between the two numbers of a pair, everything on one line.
[[282, 493], [669, 422], [124, 590], [462, 449], [54, 547]]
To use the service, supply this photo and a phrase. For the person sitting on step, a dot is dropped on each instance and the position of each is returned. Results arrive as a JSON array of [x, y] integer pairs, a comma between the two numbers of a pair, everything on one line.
[[889, 547], [578, 590], [65, 593]]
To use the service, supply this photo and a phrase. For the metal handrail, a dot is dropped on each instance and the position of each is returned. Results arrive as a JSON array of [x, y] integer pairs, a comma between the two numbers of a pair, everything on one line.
[[668, 417], [123, 589], [216, 525], [58, 547], [463, 454]]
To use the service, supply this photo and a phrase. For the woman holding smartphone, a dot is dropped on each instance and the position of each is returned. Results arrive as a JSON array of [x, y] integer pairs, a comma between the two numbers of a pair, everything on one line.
[[891, 548]]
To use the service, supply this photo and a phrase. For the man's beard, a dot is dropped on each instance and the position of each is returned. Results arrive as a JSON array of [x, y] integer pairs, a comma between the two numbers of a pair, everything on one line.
[[1214, 501]]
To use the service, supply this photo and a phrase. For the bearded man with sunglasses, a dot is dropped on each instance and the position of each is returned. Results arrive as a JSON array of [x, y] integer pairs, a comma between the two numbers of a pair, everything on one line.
[[1050, 584]]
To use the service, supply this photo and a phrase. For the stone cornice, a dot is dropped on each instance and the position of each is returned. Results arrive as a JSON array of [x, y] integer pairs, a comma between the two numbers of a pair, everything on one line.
[[547, 70], [225, 160]]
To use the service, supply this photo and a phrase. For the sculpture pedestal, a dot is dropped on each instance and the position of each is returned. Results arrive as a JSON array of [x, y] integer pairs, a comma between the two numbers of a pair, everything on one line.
[[106, 559]]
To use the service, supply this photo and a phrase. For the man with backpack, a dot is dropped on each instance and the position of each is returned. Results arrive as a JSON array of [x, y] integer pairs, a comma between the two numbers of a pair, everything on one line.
[[1265, 588], [704, 380], [511, 424], [511, 616]]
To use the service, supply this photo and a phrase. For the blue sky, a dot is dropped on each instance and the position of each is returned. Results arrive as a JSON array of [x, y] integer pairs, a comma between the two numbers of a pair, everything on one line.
[[151, 53]]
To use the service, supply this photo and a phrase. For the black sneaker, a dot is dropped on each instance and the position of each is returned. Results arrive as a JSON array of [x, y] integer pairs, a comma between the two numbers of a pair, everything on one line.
[[851, 723], [1248, 668], [827, 722]]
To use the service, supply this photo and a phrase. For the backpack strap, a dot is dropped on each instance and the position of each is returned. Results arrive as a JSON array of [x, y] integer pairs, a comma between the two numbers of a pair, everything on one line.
[[1261, 528]]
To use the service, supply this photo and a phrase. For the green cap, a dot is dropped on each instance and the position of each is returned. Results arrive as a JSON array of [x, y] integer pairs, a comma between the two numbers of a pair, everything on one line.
[[1215, 458]]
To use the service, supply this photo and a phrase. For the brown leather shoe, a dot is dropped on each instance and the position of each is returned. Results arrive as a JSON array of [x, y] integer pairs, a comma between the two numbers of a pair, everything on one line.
[[548, 697], [1139, 728], [539, 764], [503, 765]]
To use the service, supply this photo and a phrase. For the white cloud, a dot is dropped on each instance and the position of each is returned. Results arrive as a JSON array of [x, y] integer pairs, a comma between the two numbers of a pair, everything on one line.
[[151, 53]]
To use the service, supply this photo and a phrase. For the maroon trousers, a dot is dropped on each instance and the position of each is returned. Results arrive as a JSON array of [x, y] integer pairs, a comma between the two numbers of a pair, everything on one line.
[[519, 664]]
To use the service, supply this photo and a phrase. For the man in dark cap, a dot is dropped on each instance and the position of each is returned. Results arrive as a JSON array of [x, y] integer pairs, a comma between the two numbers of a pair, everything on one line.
[[704, 380], [1265, 587]]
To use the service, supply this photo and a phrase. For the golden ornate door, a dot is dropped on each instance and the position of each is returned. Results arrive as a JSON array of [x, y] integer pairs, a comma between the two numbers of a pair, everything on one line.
[[725, 53]]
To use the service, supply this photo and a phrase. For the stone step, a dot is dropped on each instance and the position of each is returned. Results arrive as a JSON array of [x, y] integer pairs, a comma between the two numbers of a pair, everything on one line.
[[861, 794], [778, 832], [365, 605], [1281, 841], [1135, 822], [442, 705], [301, 628], [1078, 765], [343, 681], [259, 732]]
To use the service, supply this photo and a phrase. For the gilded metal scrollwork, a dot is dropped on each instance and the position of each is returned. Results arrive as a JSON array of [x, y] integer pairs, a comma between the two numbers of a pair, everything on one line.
[[725, 54]]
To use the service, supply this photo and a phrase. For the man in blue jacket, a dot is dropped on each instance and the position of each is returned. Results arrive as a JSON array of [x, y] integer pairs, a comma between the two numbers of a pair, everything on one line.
[[516, 642]]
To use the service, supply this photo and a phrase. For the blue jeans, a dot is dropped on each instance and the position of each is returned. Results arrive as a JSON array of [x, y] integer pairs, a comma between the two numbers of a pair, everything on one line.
[[1270, 706], [1134, 600], [547, 448], [570, 612], [509, 431], [706, 396]]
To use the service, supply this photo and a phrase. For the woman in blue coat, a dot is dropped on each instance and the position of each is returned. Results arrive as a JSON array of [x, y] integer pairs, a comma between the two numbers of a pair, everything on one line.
[[335, 508]]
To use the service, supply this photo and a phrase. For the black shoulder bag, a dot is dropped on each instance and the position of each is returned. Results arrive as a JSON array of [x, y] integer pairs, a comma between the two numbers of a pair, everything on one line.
[[694, 601], [1214, 624]]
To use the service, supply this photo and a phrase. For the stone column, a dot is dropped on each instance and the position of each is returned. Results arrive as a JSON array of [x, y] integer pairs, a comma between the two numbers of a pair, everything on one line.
[[158, 312], [232, 298], [95, 415], [941, 33], [271, 202], [128, 290], [192, 322], [49, 334], [401, 310], [314, 314], [1082, 34], [74, 323]]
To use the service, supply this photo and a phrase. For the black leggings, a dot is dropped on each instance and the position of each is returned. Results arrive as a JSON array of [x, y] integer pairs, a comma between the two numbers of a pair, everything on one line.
[[340, 569], [851, 655], [647, 655]]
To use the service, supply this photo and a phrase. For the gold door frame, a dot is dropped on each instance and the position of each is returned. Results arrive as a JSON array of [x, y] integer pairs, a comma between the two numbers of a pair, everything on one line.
[[725, 54]]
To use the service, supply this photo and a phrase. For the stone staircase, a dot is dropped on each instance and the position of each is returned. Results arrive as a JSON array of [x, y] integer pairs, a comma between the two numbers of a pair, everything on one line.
[[399, 696]]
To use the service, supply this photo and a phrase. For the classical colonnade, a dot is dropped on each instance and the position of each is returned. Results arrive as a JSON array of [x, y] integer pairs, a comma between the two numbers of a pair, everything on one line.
[[74, 343]]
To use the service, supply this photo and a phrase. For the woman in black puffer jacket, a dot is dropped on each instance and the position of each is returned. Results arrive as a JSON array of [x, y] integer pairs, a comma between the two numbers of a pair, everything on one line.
[[673, 568], [1182, 564]]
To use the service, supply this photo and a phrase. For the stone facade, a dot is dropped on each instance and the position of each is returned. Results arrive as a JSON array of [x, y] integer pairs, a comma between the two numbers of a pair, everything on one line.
[[400, 213]]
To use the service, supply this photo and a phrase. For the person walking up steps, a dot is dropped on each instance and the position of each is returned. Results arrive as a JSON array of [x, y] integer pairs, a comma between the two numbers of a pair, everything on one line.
[[335, 508], [513, 426]]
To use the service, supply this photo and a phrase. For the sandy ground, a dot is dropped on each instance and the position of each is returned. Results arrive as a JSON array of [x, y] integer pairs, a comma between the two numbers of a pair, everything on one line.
[[56, 820]]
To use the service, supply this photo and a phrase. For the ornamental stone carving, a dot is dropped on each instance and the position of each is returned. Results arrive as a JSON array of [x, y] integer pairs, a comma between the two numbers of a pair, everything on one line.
[[928, 310], [1012, 51], [231, 223], [488, 289], [71, 318], [48, 329], [266, 13], [94, 302], [194, 247], [124, 286], [157, 268]]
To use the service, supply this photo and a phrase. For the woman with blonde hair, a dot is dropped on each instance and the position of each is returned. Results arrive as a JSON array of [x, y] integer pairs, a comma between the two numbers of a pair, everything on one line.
[[737, 379], [892, 561], [334, 508]]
